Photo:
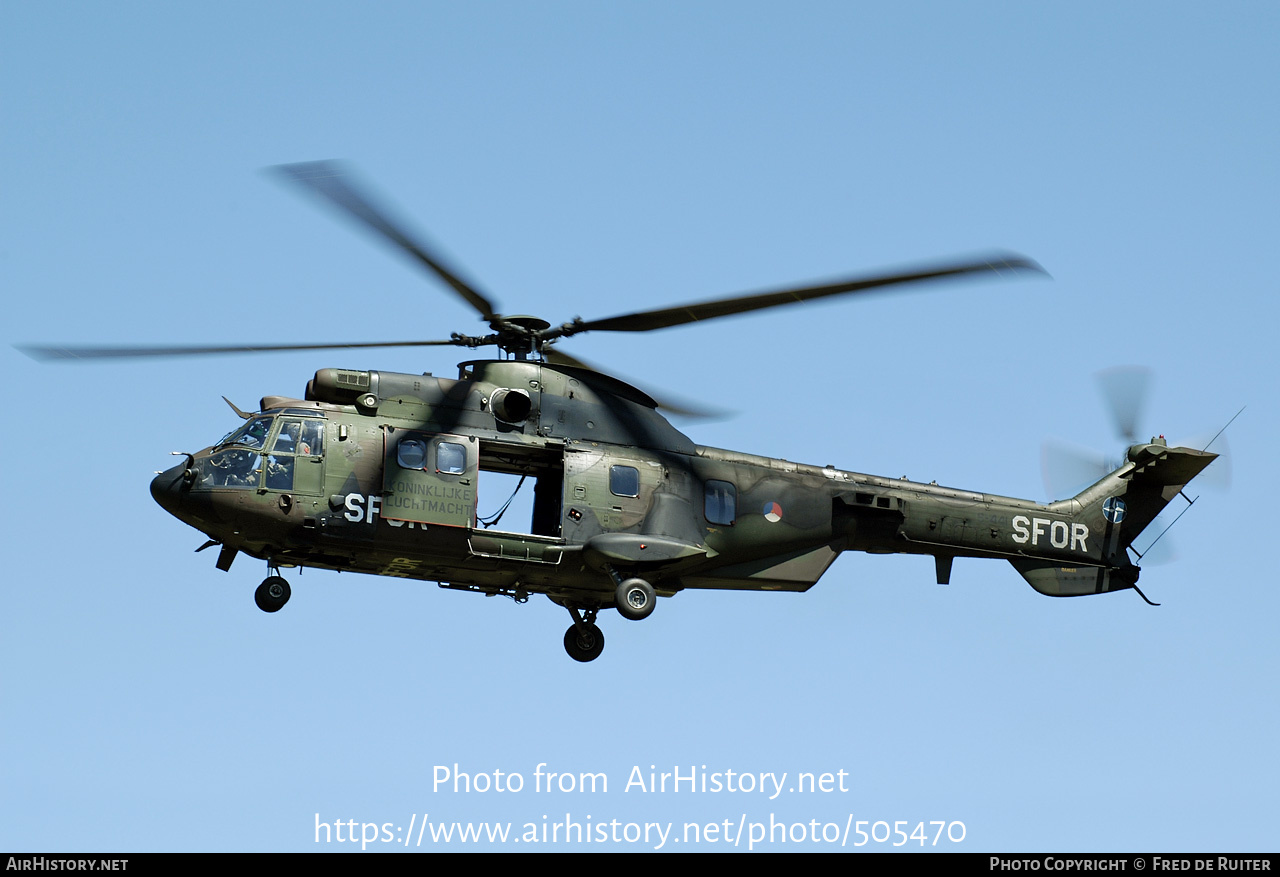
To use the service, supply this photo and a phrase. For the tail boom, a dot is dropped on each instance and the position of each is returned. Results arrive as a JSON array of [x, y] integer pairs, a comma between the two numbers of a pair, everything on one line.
[[1067, 548]]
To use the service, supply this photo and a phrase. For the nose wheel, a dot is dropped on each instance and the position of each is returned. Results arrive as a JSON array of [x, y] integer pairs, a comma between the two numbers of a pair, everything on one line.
[[272, 594]]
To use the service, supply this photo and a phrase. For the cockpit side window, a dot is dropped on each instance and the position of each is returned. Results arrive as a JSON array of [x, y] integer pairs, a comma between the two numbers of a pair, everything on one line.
[[298, 437], [279, 472], [301, 437], [311, 443], [287, 439]]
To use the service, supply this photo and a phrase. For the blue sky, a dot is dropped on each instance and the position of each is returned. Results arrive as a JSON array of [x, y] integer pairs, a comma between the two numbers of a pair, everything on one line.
[[589, 158]]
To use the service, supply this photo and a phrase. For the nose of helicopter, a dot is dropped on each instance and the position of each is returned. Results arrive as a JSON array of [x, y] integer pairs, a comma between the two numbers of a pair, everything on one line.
[[166, 488]]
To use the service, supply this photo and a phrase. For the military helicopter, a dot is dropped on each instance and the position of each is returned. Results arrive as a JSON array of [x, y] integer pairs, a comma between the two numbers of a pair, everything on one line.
[[378, 473]]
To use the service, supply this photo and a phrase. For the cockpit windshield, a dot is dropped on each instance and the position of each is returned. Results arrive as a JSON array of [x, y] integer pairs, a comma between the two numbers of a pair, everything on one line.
[[262, 453], [251, 435]]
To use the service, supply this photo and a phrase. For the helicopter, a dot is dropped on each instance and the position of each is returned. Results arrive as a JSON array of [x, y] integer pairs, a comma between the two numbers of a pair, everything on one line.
[[379, 472]]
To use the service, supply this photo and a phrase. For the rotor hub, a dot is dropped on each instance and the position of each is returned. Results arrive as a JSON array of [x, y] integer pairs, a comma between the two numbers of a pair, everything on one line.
[[528, 323]]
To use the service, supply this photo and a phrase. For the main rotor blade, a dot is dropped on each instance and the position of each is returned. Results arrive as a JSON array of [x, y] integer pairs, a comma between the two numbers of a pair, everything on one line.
[[669, 404], [645, 321], [69, 353], [330, 181]]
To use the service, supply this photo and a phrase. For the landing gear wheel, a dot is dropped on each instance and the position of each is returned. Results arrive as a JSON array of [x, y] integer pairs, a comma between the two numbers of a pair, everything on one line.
[[272, 594], [584, 648], [635, 599]]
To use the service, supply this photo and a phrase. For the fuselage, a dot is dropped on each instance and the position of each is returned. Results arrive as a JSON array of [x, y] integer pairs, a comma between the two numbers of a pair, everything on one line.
[[380, 473]]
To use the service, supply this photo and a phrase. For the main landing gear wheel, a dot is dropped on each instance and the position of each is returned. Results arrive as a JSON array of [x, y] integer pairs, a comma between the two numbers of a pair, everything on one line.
[[635, 599], [272, 594], [584, 647]]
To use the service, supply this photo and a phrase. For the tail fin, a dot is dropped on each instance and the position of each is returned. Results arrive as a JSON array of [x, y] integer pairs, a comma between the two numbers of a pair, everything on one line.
[[1116, 510]]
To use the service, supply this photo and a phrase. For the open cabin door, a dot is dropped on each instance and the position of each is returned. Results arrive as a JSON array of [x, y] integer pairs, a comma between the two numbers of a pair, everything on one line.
[[531, 479], [429, 478]]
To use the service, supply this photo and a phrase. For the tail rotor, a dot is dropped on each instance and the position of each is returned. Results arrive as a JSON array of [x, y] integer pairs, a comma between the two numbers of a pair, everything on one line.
[[1067, 468]]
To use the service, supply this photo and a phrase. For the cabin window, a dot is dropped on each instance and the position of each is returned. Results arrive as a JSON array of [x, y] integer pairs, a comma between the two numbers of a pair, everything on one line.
[[721, 502], [412, 454], [624, 481], [451, 458]]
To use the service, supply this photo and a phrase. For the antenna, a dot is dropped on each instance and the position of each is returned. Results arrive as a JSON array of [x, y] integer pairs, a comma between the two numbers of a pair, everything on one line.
[[1224, 429]]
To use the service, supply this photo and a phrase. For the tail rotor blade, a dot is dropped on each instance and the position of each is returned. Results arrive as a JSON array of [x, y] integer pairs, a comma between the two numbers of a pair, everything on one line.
[[1069, 469], [1125, 390]]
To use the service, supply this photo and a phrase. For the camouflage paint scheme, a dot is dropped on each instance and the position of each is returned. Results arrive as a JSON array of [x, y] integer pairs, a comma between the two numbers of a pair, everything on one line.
[[392, 491]]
